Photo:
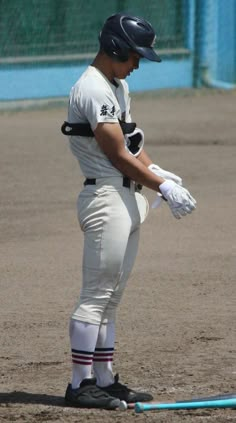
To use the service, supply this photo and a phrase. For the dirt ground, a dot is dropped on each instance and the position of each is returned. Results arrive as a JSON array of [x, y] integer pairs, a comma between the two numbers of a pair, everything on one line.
[[176, 324]]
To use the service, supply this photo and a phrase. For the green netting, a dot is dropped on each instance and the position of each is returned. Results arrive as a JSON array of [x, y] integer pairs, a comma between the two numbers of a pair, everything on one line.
[[62, 27]]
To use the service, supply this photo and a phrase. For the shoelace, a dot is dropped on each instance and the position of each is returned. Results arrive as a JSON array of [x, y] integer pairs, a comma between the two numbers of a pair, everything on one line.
[[120, 386]]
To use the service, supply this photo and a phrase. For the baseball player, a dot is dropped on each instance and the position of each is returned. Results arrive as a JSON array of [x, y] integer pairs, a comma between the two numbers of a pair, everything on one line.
[[110, 151]]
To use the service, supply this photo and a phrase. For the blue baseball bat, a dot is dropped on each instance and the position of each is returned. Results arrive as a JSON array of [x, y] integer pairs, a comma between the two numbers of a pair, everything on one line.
[[211, 398], [225, 403]]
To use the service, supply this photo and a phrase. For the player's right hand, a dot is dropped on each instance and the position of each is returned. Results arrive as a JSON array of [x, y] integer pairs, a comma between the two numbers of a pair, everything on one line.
[[178, 198]]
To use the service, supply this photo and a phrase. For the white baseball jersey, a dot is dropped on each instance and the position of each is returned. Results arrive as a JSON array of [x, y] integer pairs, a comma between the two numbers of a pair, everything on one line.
[[94, 99]]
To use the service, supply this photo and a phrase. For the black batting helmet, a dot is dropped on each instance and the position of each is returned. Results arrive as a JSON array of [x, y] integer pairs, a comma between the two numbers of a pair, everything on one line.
[[123, 33]]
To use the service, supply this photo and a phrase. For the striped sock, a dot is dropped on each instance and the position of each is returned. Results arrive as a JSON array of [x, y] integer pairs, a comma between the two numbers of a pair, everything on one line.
[[103, 355], [83, 337], [81, 366], [82, 357], [102, 365]]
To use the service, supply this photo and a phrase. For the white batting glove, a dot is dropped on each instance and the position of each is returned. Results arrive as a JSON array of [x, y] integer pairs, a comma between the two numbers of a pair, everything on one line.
[[165, 174], [178, 198]]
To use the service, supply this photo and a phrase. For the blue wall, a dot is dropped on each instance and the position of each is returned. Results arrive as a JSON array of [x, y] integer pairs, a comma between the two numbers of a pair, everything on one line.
[[56, 81]]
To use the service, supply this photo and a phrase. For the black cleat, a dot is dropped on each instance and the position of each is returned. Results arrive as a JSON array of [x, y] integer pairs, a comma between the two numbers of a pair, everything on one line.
[[118, 390], [88, 395]]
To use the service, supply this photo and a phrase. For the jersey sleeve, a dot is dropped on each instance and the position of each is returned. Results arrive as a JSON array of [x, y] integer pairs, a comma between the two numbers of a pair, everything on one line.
[[99, 104]]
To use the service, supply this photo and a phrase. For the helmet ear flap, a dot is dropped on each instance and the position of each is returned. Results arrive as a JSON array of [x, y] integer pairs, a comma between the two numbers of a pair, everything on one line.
[[114, 47]]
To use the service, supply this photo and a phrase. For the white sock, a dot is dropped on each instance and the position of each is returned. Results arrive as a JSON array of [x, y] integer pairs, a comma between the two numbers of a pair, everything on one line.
[[83, 338], [103, 355]]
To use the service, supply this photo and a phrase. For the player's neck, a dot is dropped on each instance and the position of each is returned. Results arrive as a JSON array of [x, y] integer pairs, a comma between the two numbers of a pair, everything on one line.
[[103, 63]]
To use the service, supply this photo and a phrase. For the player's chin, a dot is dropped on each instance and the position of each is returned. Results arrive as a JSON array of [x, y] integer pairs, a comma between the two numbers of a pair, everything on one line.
[[127, 74], [124, 74]]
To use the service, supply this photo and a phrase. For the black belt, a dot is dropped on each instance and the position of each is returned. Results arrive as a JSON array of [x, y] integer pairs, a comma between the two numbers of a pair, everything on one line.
[[126, 182]]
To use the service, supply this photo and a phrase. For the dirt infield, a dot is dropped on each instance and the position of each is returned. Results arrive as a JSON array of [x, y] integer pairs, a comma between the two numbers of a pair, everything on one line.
[[176, 325]]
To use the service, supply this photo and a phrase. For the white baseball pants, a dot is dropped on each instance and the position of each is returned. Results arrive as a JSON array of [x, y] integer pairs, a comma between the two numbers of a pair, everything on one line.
[[110, 218]]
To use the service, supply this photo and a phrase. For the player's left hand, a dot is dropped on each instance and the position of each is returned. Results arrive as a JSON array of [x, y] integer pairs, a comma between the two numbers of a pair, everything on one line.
[[165, 174]]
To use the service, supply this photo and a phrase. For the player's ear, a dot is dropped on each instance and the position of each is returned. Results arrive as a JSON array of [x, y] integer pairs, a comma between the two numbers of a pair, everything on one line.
[[114, 47]]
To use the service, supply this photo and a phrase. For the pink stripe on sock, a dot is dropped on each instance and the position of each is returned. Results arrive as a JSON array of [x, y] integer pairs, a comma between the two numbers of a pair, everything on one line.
[[78, 356]]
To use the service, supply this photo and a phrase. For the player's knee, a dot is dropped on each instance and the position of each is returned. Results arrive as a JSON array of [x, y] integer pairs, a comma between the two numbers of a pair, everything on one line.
[[91, 306], [88, 313]]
